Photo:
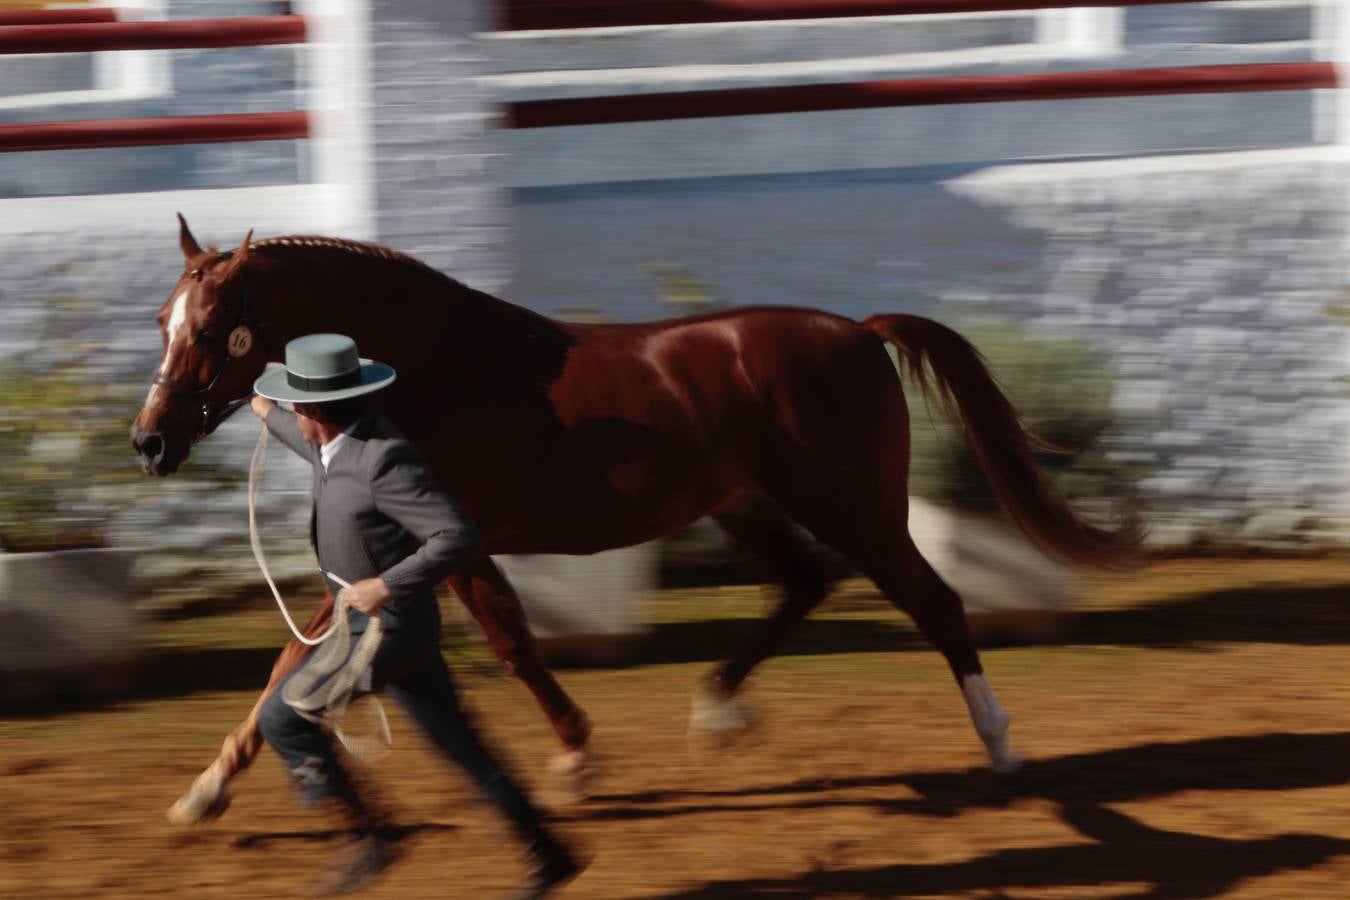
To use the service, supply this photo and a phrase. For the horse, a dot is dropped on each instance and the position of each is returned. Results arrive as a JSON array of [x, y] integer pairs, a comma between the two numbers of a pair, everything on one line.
[[565, 438]]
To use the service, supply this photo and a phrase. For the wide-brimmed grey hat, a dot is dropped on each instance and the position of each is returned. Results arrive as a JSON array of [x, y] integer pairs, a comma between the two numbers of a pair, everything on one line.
[[321, 368]]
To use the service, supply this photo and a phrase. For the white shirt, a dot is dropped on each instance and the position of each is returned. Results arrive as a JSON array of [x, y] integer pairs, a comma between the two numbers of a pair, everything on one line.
[[327, 450]]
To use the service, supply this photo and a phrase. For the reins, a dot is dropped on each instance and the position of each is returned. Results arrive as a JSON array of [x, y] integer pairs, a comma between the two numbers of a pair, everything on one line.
[[322, 690]]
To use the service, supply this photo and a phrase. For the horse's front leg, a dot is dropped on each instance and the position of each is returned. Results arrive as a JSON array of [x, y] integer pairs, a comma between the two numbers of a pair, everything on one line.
[[209, 796], [492, 601]]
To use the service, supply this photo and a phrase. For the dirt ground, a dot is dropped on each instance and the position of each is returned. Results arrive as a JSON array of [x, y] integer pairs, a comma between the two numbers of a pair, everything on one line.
[[1188, 737]]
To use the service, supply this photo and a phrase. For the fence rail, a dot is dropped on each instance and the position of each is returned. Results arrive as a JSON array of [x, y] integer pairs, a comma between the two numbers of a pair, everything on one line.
[[519, 15], [921, 92], [83, 37], [90, 133]]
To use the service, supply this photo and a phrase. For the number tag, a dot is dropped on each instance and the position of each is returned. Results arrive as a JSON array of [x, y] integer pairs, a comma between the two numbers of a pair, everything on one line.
[[241, 341]]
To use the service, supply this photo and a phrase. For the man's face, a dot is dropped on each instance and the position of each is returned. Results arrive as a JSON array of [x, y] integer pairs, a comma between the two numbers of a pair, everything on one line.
[[307, 415]]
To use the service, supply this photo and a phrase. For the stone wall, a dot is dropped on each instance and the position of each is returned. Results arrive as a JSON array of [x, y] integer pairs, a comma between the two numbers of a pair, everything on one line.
[[1214, 282], [439, 194], [1208, 281]]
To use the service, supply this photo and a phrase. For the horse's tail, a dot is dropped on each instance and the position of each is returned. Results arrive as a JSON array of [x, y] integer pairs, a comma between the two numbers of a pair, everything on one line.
[[938, 357]]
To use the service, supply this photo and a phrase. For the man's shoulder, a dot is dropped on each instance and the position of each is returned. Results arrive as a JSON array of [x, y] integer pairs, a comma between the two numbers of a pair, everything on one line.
[[384, 442], [379, 431]]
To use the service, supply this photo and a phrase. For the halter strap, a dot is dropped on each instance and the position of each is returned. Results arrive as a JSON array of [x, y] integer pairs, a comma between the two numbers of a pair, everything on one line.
[[173, 386]]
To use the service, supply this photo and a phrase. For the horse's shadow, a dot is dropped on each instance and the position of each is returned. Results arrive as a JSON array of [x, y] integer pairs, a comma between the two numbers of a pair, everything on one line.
[[1304, 616], [1309, 616], [1122, 849], [1173, 865]]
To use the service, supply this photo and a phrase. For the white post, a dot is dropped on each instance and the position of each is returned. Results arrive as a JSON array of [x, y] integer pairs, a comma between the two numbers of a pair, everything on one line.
[[135, 74], [1085, 31], [336, 69], [1332, 37]]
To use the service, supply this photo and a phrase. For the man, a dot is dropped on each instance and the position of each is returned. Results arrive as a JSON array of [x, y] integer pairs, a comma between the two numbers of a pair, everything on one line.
[[380, 522]]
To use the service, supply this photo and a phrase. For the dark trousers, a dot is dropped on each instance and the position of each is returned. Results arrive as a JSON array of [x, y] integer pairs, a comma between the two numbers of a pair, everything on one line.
[[409, 667]]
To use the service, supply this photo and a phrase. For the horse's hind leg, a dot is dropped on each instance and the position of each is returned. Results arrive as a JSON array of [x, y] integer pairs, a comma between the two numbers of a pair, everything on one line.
[[763, 529], [870, 527], [912, 586], [868, 523]]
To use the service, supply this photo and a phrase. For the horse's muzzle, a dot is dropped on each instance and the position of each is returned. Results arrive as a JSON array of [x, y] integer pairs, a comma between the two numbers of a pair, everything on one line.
[[154, 448]]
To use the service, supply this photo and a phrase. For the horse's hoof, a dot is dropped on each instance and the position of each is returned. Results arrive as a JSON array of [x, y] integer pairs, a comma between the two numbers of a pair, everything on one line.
[[198, 807], [718, 720], [570, 773], [569, 762]]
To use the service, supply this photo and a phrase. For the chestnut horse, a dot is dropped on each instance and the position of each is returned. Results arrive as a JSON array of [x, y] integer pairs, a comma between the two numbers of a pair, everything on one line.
[[567, 438]]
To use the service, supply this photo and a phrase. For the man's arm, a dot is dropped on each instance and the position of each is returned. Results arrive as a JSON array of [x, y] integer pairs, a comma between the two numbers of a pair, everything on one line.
[[403, 489], [281, 423]]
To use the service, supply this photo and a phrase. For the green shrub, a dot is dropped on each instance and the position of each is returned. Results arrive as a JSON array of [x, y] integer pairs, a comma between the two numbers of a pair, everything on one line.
[[67, 468], [64, 439], [1061, 387]]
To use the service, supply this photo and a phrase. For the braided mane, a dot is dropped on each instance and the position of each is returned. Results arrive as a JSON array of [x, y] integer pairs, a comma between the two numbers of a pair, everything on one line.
[[350, 248]]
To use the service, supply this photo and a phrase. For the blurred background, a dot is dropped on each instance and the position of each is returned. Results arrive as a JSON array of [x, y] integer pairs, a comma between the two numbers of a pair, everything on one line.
[[1138, 213]]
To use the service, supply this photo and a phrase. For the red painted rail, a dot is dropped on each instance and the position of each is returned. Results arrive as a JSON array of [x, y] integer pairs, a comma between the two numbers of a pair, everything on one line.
[[277, 126], [242, 31], [921, 92], [527, 14], [57, 16]]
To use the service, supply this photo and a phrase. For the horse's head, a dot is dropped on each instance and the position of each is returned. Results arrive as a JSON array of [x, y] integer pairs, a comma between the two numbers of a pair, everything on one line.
[[213, 351]]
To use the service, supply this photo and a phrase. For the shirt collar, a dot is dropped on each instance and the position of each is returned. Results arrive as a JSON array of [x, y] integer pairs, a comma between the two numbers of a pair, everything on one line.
[[327, 450]]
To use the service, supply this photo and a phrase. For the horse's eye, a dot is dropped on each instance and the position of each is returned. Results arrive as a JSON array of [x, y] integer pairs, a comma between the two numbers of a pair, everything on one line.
[[204, 337]]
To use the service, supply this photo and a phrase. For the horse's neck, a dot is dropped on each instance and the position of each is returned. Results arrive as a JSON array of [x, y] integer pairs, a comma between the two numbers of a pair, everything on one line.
[[413, 321]]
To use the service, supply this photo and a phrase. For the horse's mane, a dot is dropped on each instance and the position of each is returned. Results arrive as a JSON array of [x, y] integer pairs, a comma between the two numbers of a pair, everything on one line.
[[312, 242], [516, 332]]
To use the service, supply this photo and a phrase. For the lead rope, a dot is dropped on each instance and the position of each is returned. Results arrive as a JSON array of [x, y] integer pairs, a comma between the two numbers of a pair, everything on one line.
[[306, 691]]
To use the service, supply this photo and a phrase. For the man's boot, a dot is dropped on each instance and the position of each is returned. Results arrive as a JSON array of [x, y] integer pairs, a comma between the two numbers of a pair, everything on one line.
[[368, 852], [549, 866]]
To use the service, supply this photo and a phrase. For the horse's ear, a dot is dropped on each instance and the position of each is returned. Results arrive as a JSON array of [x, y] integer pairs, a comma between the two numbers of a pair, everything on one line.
[[240, 256], [191, 250]]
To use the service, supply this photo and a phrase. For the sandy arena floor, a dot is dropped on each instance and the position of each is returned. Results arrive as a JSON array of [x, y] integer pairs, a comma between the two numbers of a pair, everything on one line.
[[1186, 740]]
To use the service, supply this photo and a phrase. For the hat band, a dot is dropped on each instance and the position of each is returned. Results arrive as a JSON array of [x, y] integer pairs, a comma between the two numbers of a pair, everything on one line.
[[350, 378]]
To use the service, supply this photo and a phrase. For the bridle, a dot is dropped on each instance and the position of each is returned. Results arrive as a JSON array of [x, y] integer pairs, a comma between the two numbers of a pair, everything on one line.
[[242, 335]]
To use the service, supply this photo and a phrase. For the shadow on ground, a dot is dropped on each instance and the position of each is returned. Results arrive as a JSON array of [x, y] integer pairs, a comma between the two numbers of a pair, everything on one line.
[[1317, 616], [1120, 849], [1306, 616]]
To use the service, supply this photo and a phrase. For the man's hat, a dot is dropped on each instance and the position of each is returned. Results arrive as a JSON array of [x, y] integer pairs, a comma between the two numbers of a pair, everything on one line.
[[321, 368]]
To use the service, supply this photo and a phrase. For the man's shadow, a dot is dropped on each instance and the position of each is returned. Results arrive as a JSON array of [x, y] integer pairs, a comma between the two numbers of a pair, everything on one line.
[[266, 839], [1123, 850]]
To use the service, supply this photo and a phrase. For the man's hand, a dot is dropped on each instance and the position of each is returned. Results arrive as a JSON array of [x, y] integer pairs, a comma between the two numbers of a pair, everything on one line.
[[367, 595], [261, 406]]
